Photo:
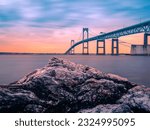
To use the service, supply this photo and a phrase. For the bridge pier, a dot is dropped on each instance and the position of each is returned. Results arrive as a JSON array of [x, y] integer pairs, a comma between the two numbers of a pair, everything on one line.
[[72, 50], [101, 47], [146, 35], [115, 47], [85, 47]]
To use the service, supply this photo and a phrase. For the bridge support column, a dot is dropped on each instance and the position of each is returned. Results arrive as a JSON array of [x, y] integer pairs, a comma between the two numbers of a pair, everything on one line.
[[101, 47], [72, 50], [146, 35], [115, 47], [85, 47]]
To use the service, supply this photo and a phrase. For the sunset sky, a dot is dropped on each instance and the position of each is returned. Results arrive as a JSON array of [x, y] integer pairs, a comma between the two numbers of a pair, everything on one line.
[[49, 25]]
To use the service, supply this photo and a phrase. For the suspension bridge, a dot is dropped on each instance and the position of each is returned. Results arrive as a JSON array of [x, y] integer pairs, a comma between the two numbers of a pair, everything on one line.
[[100, 39]]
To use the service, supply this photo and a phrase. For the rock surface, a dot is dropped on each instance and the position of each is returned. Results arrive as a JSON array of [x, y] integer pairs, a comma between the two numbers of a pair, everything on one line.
[[63, 86]]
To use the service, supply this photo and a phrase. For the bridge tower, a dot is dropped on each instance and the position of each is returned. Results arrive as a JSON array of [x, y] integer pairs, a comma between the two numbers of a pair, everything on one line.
[[101, 41], [72, 50], [115, 46], [146, 35], [85, 47]]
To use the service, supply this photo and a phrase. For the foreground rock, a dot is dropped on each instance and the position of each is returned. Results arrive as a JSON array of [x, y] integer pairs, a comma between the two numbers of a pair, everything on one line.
[[63, 86]]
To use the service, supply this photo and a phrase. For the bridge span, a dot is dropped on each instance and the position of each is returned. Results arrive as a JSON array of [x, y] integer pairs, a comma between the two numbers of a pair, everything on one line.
[[143, 27]]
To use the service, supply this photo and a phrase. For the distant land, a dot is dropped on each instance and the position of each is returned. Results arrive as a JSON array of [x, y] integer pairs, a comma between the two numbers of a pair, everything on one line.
[[26, 53], [23, 53]]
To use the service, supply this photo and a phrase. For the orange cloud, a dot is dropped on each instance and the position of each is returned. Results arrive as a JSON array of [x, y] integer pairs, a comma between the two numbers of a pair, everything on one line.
[[55, 41]]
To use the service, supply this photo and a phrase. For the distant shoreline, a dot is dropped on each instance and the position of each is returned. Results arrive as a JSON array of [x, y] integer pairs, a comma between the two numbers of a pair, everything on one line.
[[18, 53]]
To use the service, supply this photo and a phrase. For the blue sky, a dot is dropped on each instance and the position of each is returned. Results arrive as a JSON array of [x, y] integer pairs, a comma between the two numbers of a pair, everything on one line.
[[43, 21], [66, 13]]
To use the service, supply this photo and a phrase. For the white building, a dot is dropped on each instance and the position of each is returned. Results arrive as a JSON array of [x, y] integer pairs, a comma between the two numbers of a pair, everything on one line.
[[140, 50]]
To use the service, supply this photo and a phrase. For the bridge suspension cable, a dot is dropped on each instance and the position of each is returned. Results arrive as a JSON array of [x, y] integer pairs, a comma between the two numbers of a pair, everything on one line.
[[80, 37], [125, 42], [124, 45], [93, 32]]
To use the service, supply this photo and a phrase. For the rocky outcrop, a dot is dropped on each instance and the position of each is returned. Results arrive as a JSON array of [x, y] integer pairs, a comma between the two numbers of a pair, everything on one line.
[[136, 100], [63, 86]]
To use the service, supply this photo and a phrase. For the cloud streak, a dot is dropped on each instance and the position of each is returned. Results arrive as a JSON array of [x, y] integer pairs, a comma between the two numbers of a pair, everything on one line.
[[55, 22], [66, 13]]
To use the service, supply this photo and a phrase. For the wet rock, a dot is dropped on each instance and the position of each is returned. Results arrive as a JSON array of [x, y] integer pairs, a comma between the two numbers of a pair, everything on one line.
[[63, 86], [109, 108], [138, 99]]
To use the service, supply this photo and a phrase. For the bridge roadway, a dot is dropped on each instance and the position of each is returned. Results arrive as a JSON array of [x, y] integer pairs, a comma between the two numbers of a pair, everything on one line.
[[134, 29]]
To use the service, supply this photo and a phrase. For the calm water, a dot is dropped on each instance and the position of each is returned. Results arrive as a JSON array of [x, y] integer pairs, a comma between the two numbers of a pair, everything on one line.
[[135, 68]]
